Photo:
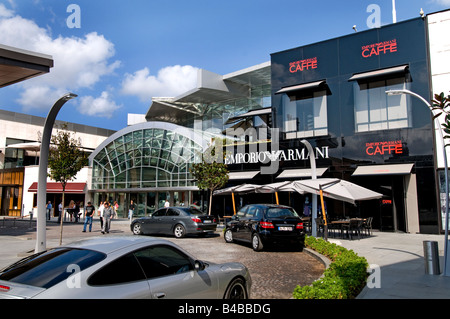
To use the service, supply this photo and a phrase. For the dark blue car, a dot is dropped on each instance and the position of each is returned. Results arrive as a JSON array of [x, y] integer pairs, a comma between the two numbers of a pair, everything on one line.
[[265, 224]]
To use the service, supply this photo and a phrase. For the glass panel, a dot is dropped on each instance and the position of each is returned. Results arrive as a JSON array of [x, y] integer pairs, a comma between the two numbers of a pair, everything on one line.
[[375, 110]]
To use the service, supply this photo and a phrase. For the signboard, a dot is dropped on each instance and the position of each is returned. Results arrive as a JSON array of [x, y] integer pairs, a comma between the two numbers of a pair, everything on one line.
[[270, 156], [379, 48]]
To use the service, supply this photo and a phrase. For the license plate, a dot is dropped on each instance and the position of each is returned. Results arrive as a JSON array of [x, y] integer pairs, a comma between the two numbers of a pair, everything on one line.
[[207, 221], [284, 228]]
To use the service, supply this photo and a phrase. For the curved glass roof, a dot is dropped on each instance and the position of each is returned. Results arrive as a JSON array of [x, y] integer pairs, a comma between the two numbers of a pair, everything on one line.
[[147, 155]]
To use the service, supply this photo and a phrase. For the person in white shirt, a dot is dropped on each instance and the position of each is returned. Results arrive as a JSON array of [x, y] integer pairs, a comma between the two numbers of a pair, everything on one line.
[[100, 213]]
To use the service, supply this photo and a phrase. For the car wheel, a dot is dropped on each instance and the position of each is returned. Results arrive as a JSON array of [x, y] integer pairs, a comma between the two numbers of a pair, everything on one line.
[[179, 231], [137, 229], [236, 290], [256, 243], [228, 236]]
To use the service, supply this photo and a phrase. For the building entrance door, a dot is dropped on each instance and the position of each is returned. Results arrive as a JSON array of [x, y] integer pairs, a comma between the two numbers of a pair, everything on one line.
[[390, 213]]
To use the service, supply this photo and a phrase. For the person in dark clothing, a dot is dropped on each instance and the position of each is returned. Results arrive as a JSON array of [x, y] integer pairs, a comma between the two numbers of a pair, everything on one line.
[[89, 215]]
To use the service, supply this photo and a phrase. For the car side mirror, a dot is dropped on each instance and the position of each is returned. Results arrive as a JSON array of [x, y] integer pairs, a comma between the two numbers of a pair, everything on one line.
[[199, 265], [235, 217]]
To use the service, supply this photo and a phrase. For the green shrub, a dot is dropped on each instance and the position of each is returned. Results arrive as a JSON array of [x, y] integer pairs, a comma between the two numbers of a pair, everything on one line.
[[344, 278]]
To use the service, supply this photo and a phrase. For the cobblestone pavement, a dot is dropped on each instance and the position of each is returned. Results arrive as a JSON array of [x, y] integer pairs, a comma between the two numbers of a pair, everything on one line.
[[275, 273]]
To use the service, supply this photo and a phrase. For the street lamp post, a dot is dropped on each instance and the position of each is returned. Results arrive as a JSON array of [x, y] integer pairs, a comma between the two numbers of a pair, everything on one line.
[[312, 159], [446, 271], [41, 240]]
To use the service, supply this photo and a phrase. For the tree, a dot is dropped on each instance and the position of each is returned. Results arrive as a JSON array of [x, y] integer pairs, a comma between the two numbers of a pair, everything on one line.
[[211, 173], [440, 106], [65, 160]]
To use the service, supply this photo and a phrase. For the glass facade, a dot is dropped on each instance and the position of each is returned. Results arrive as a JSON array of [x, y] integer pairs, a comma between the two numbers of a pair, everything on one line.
[[145, 158]]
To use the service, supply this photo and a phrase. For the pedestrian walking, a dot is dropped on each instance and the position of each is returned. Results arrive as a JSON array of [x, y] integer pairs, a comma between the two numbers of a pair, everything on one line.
[[100, 213], [108, 214], [49, 209], [89, 215], [115, 207], [76, 212], [131, 210], [60, 210], [71, 209]]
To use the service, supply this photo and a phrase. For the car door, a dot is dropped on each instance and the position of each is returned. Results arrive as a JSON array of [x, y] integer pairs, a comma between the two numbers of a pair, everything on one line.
[[171, 218], [247, 223], [239, 224], [171, 274], [153, 224]]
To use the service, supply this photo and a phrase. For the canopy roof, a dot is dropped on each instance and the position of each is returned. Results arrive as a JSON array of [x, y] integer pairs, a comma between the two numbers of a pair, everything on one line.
[[332, 188]]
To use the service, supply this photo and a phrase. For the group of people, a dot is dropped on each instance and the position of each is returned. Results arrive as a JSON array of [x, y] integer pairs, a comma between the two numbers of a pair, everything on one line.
[[106, 211]]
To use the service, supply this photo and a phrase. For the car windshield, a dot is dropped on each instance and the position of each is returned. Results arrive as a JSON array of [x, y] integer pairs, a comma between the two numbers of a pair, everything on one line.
[[47, 269], [280, 212], [192, 211]]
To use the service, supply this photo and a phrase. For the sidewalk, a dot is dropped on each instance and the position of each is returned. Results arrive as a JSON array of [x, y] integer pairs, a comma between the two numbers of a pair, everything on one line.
[[400, 258]]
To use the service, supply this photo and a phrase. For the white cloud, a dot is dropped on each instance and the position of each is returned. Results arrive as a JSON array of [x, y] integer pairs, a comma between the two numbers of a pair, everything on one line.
[[78, 62], [442, 2], [102, 106], [169, 82], [4, 12]]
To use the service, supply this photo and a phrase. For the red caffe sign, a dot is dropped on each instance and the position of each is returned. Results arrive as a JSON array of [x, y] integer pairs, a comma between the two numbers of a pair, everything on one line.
[[302, 65], [377, 49], [382, 148]]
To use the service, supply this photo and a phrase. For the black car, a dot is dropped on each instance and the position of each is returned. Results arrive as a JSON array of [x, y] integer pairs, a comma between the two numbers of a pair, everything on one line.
[[177, 221], [264, 224]]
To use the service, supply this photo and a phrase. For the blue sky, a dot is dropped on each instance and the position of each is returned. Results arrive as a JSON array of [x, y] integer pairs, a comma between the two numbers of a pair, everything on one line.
[[125, 52]]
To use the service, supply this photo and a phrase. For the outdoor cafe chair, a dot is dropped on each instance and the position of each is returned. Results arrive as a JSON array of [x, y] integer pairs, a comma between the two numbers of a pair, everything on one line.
[[367, 225]]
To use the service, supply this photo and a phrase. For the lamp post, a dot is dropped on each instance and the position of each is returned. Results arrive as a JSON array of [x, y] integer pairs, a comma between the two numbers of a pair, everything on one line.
[[312, 160], [41, 240], [446, 271]]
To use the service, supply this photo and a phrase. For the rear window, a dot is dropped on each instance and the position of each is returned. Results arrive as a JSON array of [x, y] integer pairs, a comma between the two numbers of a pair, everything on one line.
[[48, 269], [277, 212], [192, 211]]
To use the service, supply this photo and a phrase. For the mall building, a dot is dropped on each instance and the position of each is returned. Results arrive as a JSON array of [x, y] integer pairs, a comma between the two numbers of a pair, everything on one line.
[[332, 94]]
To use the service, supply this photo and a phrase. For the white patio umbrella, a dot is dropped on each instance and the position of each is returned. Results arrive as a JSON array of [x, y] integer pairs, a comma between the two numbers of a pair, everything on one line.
[[286, 186], [337, 189], [240, 189]]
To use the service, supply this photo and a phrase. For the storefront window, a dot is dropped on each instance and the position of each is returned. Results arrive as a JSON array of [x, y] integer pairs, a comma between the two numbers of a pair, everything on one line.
[[305, 115], [375, 110]]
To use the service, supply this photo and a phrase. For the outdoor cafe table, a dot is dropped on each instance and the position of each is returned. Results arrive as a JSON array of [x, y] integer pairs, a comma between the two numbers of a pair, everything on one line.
[[344, 222]]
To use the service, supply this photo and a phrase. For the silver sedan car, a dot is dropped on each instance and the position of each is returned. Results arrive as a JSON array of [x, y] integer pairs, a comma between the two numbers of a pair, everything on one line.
[[122, 267], [177, 221]]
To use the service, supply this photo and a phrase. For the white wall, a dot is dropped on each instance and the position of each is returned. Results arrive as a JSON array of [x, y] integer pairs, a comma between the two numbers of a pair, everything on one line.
[[31, 176], [439, 41]]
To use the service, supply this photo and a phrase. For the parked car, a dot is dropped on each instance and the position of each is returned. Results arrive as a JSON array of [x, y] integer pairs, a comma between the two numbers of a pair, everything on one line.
[[122, 267], [265, 224], [177, 221]]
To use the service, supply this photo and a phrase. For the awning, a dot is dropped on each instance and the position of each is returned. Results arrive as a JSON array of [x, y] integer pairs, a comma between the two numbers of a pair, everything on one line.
[[258, 112], [392, 169], [301, 172], [54, 187], [380, 73], [242, 175], [302, 87]]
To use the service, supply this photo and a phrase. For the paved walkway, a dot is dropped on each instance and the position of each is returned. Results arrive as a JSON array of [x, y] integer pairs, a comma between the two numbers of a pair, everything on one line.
[[400, 258]]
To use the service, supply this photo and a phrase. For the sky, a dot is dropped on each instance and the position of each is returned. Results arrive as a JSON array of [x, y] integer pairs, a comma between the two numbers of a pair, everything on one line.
[[117, 55]]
